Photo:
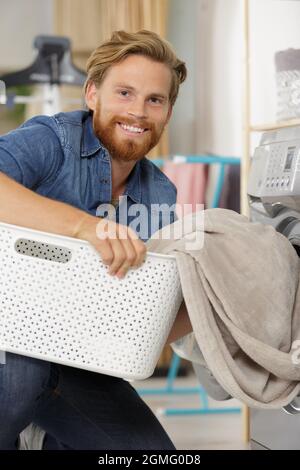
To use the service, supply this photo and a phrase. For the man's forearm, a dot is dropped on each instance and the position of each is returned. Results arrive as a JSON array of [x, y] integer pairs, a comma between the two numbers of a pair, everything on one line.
[[119, 248], [21, 206]]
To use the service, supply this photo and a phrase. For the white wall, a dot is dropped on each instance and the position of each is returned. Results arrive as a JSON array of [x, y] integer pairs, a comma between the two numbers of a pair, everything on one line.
[[219, 74], [182, 24], [208, 34], [275, 26], [20, 22]]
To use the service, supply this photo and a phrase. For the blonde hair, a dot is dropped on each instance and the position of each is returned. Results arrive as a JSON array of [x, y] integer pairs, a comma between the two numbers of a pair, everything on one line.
[[143, 42]]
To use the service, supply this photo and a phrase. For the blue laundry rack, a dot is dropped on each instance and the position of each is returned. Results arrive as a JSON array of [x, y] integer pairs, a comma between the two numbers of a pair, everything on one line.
[[170, 389]]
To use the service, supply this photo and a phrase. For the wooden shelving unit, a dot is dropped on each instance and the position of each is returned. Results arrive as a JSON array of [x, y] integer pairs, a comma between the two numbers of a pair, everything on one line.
[[275, 125]]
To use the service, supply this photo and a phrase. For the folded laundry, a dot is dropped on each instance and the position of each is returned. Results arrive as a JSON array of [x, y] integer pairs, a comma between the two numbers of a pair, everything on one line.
[[242, 294]]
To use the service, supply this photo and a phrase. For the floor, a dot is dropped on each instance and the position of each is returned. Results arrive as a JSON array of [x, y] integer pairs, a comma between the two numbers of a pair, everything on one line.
[[193, 432]]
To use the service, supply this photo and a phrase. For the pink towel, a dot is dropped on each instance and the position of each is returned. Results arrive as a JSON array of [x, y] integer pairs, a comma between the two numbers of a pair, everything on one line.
[[190, 180]]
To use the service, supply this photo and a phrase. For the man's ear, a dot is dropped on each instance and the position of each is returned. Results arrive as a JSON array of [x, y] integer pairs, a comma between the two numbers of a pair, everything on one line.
[[91, 96]]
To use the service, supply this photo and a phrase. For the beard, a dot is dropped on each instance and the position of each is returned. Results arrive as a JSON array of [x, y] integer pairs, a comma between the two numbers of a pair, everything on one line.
[[124, 149]]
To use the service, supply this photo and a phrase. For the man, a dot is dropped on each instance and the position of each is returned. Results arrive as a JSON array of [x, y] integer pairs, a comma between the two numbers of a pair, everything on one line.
[[59, 174]]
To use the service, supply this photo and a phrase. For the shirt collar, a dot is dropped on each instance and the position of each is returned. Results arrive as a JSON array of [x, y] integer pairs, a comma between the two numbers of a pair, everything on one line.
[[91, 145]]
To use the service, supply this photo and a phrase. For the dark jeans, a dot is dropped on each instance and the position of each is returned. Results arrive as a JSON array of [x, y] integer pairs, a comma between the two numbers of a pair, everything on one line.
[[78, 409]]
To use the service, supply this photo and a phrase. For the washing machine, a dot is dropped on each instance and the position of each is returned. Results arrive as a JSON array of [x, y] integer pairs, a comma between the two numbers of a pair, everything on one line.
[[274, 198]]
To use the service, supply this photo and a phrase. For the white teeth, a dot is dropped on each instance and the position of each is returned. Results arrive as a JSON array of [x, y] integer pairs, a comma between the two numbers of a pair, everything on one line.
[[132, 129]]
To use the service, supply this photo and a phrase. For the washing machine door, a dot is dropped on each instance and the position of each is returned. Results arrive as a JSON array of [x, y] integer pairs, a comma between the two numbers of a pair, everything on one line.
[[279, 429], [276, 429], [290, 227], [293, 408]]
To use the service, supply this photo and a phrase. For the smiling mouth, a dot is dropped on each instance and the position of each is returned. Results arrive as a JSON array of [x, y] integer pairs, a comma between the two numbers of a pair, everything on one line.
[[132, 130]]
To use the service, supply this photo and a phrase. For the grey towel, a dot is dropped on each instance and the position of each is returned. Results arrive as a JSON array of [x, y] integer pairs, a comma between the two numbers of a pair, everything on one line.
[[187, 348], [241, 292]]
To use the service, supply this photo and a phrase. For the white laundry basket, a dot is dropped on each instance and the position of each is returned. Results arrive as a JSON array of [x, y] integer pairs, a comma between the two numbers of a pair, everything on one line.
[[58, 303]]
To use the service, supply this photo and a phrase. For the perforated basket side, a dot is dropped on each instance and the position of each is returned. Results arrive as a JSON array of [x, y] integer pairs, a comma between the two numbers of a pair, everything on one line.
[[76, 314]]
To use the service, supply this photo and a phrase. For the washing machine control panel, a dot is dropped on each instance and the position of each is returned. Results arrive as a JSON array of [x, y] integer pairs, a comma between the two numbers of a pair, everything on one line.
[[275, 166], [282, 168]]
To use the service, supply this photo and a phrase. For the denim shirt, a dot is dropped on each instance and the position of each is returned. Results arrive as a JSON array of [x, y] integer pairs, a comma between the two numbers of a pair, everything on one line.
[[61, 158]]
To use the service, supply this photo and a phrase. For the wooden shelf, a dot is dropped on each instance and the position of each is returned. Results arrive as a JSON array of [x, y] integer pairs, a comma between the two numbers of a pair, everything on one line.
[[275, 125]]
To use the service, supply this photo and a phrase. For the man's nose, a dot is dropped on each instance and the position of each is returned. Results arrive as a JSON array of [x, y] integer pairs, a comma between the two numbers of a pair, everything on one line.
[[137, 109]]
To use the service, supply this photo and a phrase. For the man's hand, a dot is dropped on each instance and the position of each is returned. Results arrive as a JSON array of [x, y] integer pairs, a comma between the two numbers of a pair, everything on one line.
[[118, 245]]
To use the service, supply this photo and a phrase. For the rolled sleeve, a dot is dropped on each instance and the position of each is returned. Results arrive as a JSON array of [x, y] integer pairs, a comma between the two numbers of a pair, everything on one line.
[[31, 154]]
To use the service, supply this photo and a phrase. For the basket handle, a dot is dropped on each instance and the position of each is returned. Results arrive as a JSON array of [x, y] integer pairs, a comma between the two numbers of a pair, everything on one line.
[[42, 250]]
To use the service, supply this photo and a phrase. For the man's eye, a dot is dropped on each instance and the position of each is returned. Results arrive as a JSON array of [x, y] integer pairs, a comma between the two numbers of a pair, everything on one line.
[[124, 93], [155, 100]]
